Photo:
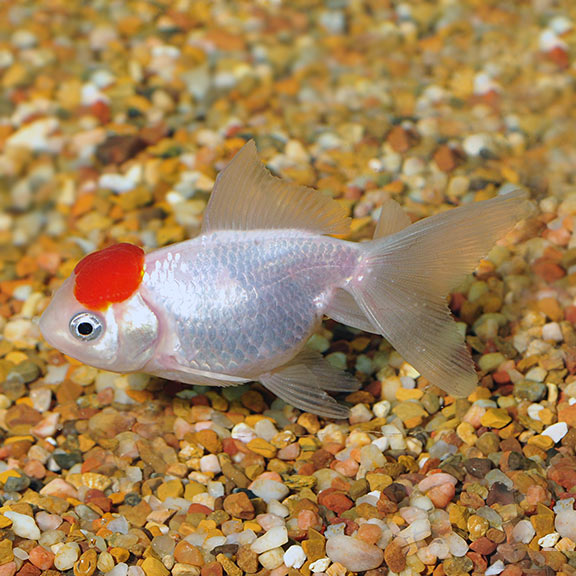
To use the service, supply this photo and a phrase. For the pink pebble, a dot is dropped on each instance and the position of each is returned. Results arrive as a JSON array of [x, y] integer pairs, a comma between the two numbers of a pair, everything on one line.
[[347, 468], [474, 416], [270, 476], [47, 521], [307, 519], [8, 569], [280, 571], [290, 452], [442, 495], [41, 558], [436, 480], [35, 469], [59, 488], [268, 521]]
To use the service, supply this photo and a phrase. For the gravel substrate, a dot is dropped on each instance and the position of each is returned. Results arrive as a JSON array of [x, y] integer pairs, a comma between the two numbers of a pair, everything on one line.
[[115, 118]]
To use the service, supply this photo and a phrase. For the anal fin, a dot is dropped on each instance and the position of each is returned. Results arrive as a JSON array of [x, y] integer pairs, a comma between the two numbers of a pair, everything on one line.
[[303, 383]]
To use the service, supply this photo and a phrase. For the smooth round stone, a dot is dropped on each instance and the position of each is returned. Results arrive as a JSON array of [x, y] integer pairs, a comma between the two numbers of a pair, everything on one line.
[[523, 532], [65, 555], [120, 569], [23, 525], [274, 538], [294, 557], [565, 524], [354, 554], [272, 559], [269, 490]]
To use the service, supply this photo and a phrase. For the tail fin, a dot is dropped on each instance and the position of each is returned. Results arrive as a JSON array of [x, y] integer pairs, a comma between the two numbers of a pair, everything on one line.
[[406, 277]]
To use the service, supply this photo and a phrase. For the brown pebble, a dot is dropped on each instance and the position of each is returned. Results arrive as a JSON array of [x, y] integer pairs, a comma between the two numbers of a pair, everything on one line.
[[29, 570], [209, 440], [247, 559], [211, 569], [395, 557], [239, 506]]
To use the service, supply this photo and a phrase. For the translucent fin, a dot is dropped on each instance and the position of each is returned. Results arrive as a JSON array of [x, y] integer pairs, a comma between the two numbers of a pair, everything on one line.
[[172, 369], [247, 197], [392, 219], [343, 308], [407, 276], [302, 382]]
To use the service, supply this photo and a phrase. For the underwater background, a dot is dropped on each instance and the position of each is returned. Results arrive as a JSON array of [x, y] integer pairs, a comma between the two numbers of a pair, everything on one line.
[[115, 119]]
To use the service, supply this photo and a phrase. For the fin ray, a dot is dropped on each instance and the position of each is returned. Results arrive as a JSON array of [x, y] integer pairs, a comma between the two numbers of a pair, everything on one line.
[[303, 381], [408, 275], [247, 197], [392, 219]]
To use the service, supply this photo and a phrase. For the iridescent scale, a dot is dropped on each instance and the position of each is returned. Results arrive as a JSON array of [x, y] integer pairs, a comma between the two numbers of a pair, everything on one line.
[[241, 303]]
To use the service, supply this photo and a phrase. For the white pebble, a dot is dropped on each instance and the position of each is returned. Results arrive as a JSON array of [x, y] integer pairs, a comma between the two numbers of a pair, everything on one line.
[[272, 559], [534, 411], [556, 431], [41, 399], [65, 555], [216, 489], [295, 557], [458, 546], [243, 432], [34, 135], [417, 531], [269, 490], [121, 569], [565, 524], [549, 41], [116, 182], [552, 331], [354, 554], [536, 374], [523, 532], [475, 144], [265, 429], [320, 565], [495, 568], [272, 539], [381, 409], [360, 413], [549, 541], [275, 507], [23, 525], [210, 463], [382, 443], [394, 436], [371, 457]]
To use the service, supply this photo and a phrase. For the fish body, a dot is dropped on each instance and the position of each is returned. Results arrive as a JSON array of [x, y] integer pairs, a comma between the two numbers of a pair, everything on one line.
[[242, 303], [239, 302]]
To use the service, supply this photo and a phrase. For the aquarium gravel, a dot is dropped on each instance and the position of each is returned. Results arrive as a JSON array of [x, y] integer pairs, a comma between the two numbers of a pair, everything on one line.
[[115, 119]]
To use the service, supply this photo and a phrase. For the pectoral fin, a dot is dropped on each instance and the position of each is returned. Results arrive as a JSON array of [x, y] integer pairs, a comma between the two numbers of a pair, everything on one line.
[[247, 197], [173, 369]]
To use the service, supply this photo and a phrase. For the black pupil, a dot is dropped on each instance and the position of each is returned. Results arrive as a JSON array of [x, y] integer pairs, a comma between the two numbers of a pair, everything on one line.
[[85, 328]]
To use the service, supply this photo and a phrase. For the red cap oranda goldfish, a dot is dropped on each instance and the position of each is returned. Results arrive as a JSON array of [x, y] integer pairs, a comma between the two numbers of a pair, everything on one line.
[[237, 303]]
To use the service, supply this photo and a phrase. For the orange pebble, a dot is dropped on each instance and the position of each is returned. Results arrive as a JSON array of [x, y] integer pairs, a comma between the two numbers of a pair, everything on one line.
[[370, 533]]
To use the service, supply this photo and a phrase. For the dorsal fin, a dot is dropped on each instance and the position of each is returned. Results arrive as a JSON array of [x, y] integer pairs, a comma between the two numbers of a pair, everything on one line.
[[247, 197], [392, 219]]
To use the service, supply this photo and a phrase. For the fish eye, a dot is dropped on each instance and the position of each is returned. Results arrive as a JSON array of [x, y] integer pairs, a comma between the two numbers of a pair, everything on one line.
[[86, 326]]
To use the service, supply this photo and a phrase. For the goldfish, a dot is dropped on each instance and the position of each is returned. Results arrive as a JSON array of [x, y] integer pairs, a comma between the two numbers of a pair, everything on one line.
[[238, 303]]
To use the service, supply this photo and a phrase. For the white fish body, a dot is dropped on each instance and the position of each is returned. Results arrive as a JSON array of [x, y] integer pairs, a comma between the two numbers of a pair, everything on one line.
[[238, 302]]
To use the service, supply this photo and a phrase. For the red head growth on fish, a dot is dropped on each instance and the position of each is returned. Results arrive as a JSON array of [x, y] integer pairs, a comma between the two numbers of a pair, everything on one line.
[[109, 276]]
